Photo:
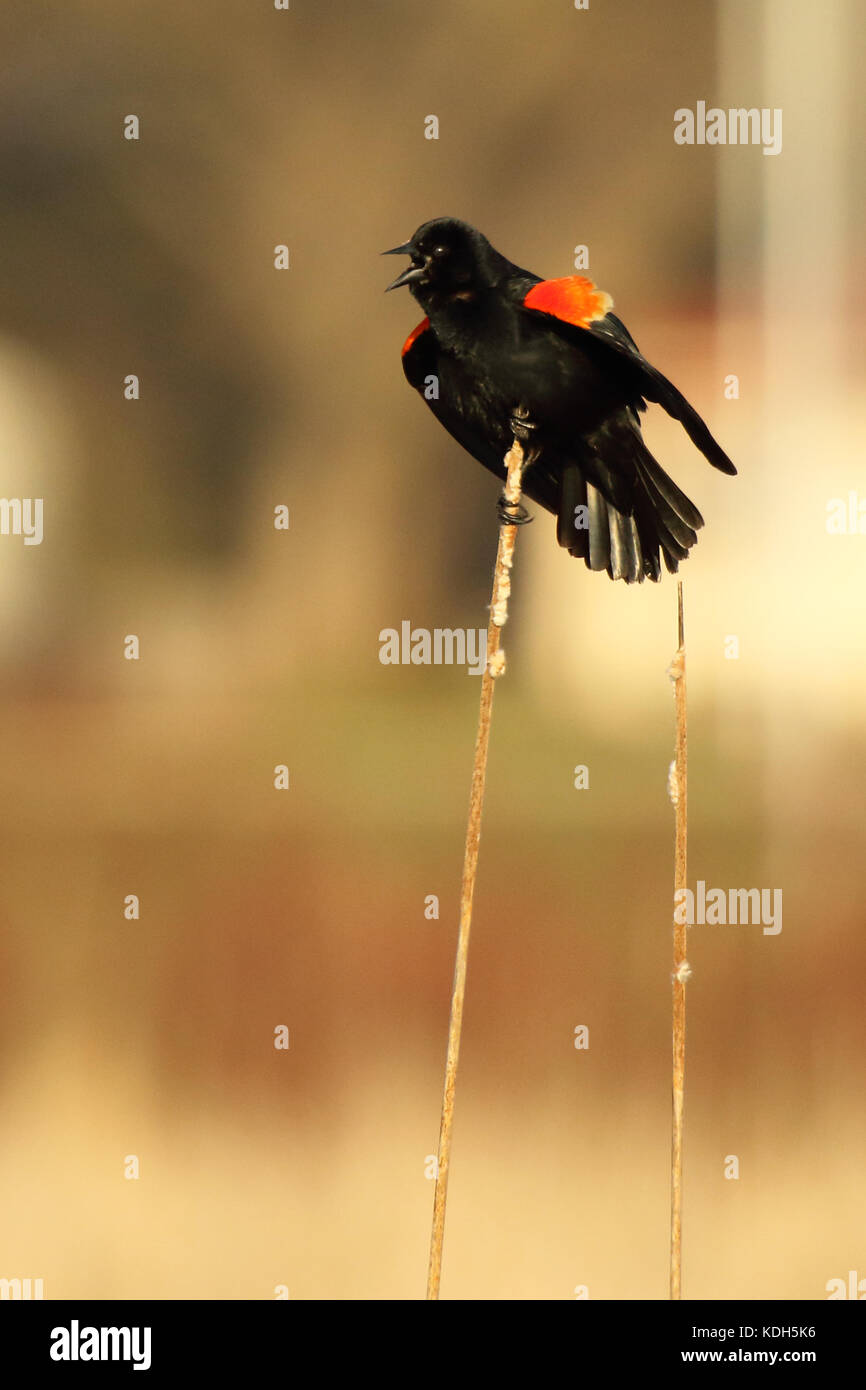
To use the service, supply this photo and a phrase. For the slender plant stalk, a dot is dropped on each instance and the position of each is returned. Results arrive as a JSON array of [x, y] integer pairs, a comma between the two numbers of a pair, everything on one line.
[[681, 972], [515, 463]]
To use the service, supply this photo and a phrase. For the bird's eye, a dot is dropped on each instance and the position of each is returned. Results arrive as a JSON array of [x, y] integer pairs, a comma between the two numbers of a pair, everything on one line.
[[440, 251]]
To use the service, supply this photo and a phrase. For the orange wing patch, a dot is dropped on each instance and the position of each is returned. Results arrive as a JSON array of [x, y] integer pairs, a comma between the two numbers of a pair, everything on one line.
[[414, 335], [574, 299]]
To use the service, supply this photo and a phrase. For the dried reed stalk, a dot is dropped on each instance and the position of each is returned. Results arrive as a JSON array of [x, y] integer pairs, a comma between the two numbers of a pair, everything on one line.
[[515, 463], [681, 971]]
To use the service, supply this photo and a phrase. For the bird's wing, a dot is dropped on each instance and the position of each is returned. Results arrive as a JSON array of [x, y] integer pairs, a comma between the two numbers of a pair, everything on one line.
[[420, 365], [575, 303]]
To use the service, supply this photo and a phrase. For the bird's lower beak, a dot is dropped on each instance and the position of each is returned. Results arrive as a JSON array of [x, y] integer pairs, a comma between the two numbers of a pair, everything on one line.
[[411, 274]]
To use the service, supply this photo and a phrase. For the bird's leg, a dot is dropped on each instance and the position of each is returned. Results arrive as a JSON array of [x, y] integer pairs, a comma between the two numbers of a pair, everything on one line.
[[511, 513], [522, 428]]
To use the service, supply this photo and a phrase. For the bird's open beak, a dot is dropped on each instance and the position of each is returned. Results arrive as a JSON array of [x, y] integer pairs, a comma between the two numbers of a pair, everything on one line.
[[411, 274]]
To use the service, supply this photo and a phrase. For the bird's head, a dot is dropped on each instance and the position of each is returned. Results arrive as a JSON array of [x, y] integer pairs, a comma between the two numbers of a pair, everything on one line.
[[449, 260]]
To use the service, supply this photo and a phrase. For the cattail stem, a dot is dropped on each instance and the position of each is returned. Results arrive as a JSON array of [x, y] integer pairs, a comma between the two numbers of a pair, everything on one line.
[[681, 971], [515, 463]]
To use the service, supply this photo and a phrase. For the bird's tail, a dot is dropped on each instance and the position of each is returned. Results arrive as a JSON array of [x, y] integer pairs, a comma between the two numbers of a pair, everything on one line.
[[625, 529]]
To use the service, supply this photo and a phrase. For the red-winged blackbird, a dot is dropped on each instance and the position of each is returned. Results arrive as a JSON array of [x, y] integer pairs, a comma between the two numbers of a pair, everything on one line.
[[498, 341]]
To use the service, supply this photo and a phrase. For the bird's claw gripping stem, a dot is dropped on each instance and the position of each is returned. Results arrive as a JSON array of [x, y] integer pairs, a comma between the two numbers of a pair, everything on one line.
[[511, 513], [521, 426]]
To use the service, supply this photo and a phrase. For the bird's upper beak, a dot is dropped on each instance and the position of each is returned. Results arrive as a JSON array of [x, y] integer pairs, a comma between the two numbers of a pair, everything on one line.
[[411, 274]]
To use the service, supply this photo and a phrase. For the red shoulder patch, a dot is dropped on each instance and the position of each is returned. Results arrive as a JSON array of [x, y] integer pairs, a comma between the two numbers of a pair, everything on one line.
[[414, 335], [574, 299]]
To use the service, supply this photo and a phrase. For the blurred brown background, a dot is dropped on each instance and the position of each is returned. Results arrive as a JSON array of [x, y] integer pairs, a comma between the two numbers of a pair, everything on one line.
[[154, 1037]]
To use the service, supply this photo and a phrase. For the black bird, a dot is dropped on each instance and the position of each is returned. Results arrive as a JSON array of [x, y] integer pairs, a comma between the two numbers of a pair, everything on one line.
[[502, 350]]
